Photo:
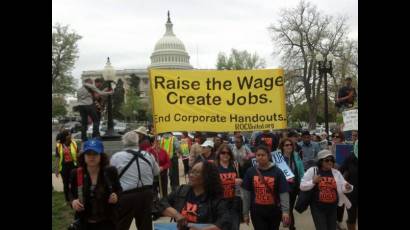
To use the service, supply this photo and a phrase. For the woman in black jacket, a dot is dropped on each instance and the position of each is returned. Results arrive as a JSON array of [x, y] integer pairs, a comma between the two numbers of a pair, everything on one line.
[[199, 202], [94, 189], [349, 170]]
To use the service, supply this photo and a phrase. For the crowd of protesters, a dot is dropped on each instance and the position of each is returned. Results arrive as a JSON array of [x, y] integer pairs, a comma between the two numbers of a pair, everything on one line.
[[232, 179]]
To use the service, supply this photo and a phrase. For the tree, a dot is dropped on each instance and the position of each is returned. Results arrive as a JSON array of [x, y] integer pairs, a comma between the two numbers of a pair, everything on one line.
[[64, 55], [346, 65], [129, 109], [59, 107], [301, 112], [300, 34], [134, 83], [239, 60]]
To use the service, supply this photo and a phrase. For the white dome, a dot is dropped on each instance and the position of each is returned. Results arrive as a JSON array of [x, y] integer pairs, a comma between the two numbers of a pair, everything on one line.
[[169, 51], [169, 42]]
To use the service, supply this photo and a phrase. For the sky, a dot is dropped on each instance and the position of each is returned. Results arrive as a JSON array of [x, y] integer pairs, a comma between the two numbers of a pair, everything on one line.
[[127, 30]]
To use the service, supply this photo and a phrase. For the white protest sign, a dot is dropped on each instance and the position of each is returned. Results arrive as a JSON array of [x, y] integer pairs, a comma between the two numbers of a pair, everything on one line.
[[280, 163], [350, 118]]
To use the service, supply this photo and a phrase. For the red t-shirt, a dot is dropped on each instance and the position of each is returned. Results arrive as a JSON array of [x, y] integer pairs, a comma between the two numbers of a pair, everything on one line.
[[160, 156], [67, 154]]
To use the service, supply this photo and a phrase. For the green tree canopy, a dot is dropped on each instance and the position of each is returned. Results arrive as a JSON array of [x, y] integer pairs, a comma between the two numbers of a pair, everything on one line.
[[64, 55], [134, 83], [129, 109], [239, 60], [59, 107]]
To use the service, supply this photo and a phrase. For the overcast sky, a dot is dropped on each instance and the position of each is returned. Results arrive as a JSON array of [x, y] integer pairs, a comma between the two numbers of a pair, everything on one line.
[[127, 30]]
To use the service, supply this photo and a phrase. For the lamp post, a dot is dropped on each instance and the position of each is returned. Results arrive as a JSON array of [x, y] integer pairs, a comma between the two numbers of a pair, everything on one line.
[[325, 67], [109, 76]]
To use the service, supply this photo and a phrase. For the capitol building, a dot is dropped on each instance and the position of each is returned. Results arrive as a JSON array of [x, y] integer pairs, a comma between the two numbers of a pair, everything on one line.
[[169, 53]]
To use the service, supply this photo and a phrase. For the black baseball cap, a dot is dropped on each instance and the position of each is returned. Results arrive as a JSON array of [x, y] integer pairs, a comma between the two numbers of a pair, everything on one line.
[[292, 134], [305, 132]]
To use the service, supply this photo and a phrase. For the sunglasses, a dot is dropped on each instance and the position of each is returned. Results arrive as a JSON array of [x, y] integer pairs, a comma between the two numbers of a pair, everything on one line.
[[336, 137], [224, 152], [288, 145], [329, 159]]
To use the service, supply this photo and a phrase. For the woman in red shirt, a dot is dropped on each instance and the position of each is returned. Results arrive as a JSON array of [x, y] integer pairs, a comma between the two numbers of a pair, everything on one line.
[[164, 163]]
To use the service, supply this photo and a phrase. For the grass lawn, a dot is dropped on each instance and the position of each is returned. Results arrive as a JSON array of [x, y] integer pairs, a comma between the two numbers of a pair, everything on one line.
[[62, 215]]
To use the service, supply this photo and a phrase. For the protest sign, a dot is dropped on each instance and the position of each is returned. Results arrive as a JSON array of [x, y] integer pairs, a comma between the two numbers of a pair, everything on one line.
[[350, 118], [217, 101], [281, 163], [342, 152]]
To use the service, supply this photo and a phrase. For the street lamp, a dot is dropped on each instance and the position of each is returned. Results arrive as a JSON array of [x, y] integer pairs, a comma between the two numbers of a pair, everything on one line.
[[109, 76], [325, 67]]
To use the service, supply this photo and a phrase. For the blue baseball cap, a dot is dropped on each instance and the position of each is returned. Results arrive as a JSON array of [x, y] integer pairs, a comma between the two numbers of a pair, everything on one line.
[[93, 145]]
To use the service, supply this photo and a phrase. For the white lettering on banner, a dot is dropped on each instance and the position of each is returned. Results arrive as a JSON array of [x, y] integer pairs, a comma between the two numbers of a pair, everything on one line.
[[350, 118], [280, 163]]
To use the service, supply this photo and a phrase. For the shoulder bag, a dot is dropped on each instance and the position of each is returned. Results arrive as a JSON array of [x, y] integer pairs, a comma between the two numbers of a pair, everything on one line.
[[305, 197]]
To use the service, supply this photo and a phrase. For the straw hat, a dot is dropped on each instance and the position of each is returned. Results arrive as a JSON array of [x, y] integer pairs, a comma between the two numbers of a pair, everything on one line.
[[141, 130]]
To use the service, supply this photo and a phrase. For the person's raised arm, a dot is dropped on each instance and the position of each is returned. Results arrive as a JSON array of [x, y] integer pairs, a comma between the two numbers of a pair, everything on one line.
[[95, 89]]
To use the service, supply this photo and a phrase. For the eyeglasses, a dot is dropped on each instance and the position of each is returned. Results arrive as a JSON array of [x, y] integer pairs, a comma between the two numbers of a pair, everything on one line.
[[329, 159], [288, 145], [224, 152], [194, 173]]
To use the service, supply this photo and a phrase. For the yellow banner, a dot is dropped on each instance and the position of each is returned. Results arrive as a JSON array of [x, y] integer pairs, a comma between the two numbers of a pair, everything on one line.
[[217, 101]]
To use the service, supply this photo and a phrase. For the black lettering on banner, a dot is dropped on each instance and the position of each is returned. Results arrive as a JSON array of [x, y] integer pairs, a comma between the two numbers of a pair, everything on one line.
[[253, 99], [159, 80], [257, 83], [241, 100], [263, 98], [279, 81], [169, 100], [175, 84]]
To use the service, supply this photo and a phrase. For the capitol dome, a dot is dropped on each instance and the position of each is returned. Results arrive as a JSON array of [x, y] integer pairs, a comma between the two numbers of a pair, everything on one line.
[[169, 51]]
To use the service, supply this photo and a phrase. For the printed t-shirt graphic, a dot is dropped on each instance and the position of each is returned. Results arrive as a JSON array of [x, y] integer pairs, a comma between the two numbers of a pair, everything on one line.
[[327, 189], [228, 176], [191, 209], [190, 212], [268, 141], [262, 195]]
